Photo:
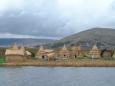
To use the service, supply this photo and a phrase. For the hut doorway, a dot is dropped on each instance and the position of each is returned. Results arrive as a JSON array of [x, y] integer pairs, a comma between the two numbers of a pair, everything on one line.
[[43, 57], [75, 56]]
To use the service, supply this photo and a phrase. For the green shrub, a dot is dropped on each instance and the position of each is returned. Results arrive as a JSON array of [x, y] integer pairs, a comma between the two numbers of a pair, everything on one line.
[[2, 59]]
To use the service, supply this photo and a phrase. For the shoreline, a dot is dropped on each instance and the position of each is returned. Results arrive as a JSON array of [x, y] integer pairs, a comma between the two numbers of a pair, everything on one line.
[[77, 63]]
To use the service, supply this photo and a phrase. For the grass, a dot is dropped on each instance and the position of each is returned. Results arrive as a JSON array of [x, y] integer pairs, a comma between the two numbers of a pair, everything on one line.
[[2, 59], [78, 62]]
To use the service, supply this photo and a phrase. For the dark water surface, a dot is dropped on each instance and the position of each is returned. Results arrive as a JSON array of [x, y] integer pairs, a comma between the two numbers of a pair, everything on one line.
[[57, 76]]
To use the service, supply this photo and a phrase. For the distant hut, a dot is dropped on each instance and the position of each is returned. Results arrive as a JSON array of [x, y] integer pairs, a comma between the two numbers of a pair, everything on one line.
[[76, 51], [44, 53], [64, 52], [95, 52], [22, 48], [51, 56], [107, 54], [41, 54], [15, 54]]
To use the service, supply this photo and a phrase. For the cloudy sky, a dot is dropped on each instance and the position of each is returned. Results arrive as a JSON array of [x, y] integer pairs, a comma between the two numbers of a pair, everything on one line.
[[53, 18]]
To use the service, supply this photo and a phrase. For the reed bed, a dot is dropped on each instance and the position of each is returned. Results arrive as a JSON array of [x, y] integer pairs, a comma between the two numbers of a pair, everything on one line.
[[65, 63]]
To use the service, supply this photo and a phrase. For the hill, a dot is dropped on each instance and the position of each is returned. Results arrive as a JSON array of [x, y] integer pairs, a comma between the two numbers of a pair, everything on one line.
[[28, 42], [104, 37]]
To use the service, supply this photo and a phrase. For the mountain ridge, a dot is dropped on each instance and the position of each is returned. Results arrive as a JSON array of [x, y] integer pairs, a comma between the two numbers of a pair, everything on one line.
[[27, 42], [104, 37]]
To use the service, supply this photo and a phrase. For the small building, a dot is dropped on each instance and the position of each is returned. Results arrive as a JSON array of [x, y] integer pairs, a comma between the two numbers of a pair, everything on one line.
[[16, 54], [64, 52], [41, 54], [76, 51], [107, 54], [95, 52], [51, 56], [45, 53]]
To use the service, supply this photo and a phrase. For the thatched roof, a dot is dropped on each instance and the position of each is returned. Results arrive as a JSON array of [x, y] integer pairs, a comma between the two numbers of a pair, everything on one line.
[[51, 55], [64, 47], [40, 51], [94, 50], [14, 52], [48, 50], [14, 47], [41, 48], [95, 47], [22, 48], [64, 50]]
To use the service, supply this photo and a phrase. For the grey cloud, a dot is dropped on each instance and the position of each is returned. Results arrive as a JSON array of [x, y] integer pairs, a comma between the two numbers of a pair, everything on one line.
[[51, 20], [30, 24]]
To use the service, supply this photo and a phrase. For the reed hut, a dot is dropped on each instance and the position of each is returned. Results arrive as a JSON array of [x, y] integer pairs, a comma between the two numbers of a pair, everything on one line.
[[15, 54], [107, 54], [64, 52], [76, 51], [44, 53], [95, 52], [51, 56], [41, 54]]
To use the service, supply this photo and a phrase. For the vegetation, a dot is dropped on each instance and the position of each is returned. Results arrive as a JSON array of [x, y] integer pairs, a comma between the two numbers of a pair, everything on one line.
[[2, 59], [67, 63], [82, 61]]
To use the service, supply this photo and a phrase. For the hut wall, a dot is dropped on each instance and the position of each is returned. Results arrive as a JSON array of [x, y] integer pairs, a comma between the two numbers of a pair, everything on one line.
[[13, 58]]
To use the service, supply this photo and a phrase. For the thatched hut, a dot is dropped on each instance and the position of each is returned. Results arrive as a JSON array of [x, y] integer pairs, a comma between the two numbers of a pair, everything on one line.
[[107, 54], [64, 52], [44, 53], [51, 56], [95, 52], [15, 54], [41, 54], [76, 51]]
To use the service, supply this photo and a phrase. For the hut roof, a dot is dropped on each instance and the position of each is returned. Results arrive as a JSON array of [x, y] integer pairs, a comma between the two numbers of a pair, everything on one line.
[[51, 54], [64, 47], [94, 50], [14, 52], [41, 48], [14, 47], [48, 50], [22, 48], [95, 47]]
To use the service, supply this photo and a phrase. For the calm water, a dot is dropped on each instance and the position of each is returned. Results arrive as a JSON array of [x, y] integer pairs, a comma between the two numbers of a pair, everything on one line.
[[49, 76]]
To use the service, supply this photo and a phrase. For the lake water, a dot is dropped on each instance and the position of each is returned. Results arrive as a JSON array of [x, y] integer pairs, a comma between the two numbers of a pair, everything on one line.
[[56, 76]]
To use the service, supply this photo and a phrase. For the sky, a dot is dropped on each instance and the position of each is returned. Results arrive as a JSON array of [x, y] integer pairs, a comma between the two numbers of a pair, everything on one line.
[[53, 18]]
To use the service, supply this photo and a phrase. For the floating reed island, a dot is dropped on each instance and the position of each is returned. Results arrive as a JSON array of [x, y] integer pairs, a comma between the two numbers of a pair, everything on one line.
[[74, 56]]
